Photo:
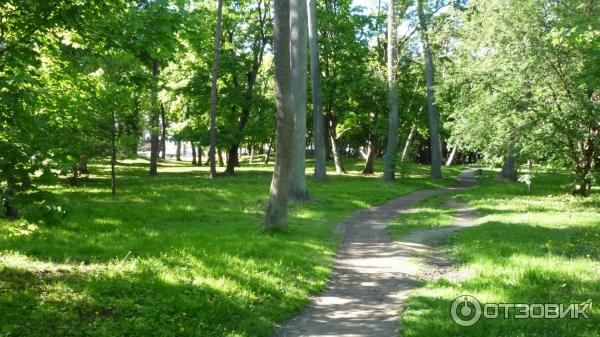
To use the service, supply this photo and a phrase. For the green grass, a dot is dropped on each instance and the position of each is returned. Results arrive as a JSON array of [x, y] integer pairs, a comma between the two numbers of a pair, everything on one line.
[[174, 255], [538, 247], [429, 213]]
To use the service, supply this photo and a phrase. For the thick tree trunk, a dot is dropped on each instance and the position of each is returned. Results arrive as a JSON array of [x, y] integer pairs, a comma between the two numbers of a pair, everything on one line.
[[335, 148], [369, 167], [178, 151], [317, 99], [276, 213], [509, 167], [213, 93], [583, 162], [434, 135], [154, 123], [337, 156], [452, 155], [232, 160], [82, 164], [299, 45], [392, 142], [220, 155], [200, 154], [163, 138]]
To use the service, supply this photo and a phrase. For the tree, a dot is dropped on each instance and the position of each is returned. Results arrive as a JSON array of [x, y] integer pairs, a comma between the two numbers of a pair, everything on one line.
[[298, 41], [248, 39], [213, 92], [276, 213], [317, 100], [434, 135], [392, 143]]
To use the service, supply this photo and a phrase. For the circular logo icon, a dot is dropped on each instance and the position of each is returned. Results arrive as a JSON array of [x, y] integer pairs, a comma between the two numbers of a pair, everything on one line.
[[466, 310]]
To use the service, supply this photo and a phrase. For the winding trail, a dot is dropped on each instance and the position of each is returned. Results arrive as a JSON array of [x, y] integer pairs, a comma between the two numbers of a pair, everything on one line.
[[373, 275]]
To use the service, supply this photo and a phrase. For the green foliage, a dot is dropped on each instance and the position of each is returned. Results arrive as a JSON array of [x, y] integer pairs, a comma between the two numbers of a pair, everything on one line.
[[542, 96]]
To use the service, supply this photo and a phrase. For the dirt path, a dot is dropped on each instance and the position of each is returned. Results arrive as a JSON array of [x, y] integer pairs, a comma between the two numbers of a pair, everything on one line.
[[372, 275]]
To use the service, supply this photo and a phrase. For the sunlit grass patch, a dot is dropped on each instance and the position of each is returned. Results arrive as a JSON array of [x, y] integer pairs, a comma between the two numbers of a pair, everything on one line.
[[429, 213], [538, 247], [177, 254]]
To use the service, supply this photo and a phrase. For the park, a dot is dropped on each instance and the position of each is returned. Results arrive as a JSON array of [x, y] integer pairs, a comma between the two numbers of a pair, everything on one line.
[[294, 168]]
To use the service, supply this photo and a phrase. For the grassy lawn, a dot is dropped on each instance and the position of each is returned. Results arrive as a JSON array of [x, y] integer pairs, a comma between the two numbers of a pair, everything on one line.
[[174, 255], [537, 247]]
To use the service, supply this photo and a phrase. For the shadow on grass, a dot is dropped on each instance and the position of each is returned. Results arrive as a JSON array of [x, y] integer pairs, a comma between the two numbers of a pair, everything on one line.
[[538, 247]]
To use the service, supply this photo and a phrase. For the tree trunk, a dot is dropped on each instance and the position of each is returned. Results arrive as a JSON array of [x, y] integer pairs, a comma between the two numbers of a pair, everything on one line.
[[268, 151], [163, 138], [299, 46], [276, 213], [409, 139], [452, 155], [113, 154], [213, 93], [251, 150], [583, 155], [200, 154], [220, 155], [434, 135], [232, 160], [335, 148], [82, 164], [154, 124], [370, 157], [317, 99], [392, 141], [194, 162], [509, 167], [178, 151]]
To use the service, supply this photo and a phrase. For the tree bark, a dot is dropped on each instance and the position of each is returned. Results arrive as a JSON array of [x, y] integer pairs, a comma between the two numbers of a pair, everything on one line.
[[220, 155], [163, 138], [370, 157], [409, 139], [213, 93], [82, 164], [452, 155], [154, 124], [509, 167], [178, 151], [232, 159], [299, 46], [335, 148], [315, 75], [434, 135], [268, 154], [276, 213], [194, 162], [392, 141], [113, 154], [583, 162]]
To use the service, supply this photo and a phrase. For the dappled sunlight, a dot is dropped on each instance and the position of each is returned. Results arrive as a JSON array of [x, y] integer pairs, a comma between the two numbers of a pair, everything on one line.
[[181, 241], [529, 248]]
